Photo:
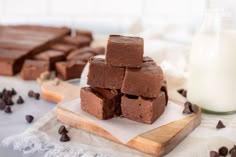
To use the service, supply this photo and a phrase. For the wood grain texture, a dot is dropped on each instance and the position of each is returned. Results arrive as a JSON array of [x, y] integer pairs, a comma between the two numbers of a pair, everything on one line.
[[156, 142]]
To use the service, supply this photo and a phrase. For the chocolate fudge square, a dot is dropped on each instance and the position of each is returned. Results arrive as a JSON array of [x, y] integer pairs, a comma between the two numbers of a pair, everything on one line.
[[67, 70], [33, 68], [52, 56], [66, 48], [86, 33], [80, 55], [124, 51], [11, 61], [143, 110], [101, 103], [145, 82], [104, 76], [78, 41], [90, 50]]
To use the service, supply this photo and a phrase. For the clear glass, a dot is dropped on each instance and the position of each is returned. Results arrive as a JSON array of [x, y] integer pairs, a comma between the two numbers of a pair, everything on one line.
[[212, 68]]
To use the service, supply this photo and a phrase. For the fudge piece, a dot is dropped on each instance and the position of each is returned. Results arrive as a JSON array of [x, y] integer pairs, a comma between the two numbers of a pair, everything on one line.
[[52, 56], [104, 76], [145, 82], [94, 50], [143, 110], [11, 61], [69, 69], [101, 103], [124, 51], [85, 33], [164, 89], [78, 41], [66, 48], [79, 55], [33, 68], [97, 50]]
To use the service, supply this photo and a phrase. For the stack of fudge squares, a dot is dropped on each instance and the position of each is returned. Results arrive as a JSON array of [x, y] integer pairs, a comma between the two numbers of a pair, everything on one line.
[[125, 83]]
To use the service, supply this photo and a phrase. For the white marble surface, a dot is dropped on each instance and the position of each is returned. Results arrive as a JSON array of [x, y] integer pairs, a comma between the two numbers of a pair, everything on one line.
[[11, 124]]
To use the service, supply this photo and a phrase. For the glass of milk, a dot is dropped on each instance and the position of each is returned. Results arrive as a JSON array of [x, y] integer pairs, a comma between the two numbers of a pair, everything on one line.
[[212, 68]]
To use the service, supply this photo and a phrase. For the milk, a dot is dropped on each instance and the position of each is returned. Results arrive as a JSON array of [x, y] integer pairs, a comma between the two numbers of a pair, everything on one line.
[[212, 71]]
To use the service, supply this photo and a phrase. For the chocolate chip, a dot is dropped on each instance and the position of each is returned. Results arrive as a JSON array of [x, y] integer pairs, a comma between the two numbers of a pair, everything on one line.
[[187, 108], [36, 96], [234, 148], [2, 104], [223, 151], [64, 138], [180, 90], [214, 154], [31, 93], [9, 101], [233, 153], [190, 108], [183, 92], [13, 92], [62, 130], [20, 100], [220, 125], [187, 104], [9, 93], [194, 108], [8, 109], [29, 118]]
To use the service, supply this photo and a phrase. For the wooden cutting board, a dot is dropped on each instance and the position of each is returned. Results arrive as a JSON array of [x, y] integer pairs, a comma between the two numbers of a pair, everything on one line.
[[156, 142]]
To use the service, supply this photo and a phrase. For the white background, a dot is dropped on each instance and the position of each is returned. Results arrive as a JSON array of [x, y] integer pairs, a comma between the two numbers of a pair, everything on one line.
[[102, 16]]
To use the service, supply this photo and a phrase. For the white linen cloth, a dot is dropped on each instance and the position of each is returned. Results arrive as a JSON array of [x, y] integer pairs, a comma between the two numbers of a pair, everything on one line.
[[172, 56]]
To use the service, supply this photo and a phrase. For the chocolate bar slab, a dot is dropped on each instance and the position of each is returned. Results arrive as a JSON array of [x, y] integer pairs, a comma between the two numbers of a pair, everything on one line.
[[52, 56], [94, 50], [11, 61], [104, 76], [69, 69], [124, 51], [33, 68], [44, 29], [85, 33], [66, 48], [143, 110], [78, 41], [33, 39], [145, 82], [101, 103]]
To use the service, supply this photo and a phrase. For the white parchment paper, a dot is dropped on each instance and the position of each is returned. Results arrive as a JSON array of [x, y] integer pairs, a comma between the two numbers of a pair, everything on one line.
[[124, 129]]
